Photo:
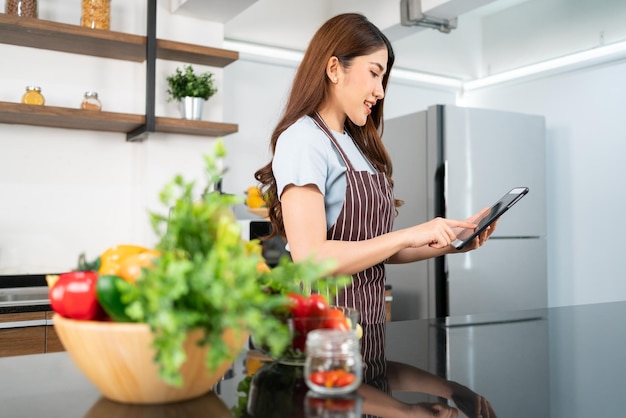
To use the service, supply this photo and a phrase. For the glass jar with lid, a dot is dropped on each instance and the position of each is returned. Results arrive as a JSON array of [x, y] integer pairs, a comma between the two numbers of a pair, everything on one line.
[[33, 96], [24, 8], [91, 101], [333, 364], [96, 14]]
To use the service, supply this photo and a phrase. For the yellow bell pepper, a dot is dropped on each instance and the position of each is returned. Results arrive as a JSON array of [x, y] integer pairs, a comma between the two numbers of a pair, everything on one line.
[[254, 198], [126, 261]]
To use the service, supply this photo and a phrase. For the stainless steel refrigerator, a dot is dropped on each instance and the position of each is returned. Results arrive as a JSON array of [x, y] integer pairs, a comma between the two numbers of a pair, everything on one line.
[[453, 161]]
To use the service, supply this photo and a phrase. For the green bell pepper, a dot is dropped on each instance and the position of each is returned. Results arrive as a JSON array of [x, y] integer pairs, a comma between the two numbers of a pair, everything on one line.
[[110, 297]]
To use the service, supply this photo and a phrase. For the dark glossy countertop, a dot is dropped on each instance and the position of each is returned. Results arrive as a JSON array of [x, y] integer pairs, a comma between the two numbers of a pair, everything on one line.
[[566, 362]]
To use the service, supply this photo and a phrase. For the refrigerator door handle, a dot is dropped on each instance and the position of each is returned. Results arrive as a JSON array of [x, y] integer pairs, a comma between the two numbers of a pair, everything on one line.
[[445, 182]]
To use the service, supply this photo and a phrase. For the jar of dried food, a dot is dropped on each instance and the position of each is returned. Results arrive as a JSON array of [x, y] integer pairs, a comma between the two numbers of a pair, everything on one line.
[[96, 14], [25, 8], [91, 101], [33, 96]]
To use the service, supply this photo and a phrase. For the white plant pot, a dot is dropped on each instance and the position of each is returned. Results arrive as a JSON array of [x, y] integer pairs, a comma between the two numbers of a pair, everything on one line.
[[191, 107]]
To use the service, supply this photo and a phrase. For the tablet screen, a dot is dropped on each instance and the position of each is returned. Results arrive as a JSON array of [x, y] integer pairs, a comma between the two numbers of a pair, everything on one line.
[[490, 216]]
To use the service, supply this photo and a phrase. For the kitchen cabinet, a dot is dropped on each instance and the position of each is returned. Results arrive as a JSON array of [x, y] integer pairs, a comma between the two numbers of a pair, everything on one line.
[[28, 333], [22, 333], [42, 34], [53, 342], [215, 10]]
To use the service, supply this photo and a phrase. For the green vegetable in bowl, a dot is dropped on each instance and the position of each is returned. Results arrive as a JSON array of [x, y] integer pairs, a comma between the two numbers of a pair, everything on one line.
[[110, 296], [207, 278]]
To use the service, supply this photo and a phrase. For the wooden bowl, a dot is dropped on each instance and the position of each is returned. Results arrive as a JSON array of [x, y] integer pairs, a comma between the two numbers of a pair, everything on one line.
[[118, 359]]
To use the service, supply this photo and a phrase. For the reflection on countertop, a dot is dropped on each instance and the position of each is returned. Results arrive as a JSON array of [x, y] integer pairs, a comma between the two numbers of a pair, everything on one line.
[[526, 364]]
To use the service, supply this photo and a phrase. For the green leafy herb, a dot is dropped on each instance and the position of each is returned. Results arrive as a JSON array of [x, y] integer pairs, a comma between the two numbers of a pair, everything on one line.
[[208, 278], [188, 84], [243, 389]]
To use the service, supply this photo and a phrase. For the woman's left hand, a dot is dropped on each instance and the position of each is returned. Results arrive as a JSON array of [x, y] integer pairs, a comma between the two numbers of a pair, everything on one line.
[[471, 403]]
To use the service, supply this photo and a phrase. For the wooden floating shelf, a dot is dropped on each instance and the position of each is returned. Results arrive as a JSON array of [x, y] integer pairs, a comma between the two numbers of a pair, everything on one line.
[[62, 117], [69, 118], [44, 34], [55, 36], [197, 54], [194, 127]]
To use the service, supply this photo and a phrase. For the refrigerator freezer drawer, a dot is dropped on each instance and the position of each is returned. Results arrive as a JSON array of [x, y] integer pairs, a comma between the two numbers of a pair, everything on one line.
[[503, 275], [522, 355]]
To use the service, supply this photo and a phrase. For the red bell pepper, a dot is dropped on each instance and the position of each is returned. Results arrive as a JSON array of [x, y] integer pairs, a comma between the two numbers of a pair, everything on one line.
[[74, 296], [309, 313]]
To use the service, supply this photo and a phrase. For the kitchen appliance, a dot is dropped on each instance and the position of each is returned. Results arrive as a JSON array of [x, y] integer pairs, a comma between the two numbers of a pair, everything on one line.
[[453, 161], [272, 249]]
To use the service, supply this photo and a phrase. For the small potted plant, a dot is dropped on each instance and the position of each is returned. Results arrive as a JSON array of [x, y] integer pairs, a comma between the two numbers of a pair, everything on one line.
[[190, 90]]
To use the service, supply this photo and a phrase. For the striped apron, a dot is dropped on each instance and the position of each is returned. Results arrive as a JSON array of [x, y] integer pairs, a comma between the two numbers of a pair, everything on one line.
[[368, 211]]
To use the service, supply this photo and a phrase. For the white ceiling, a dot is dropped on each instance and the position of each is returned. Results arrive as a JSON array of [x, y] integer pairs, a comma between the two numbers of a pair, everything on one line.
[[492, 35], [292, 23]]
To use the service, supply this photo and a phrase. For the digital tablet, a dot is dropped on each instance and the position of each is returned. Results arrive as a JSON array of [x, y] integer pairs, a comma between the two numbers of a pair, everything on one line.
[[501, 206]]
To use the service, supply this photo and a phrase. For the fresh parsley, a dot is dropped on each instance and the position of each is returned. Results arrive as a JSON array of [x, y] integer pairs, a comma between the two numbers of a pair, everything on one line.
[[208, 278]]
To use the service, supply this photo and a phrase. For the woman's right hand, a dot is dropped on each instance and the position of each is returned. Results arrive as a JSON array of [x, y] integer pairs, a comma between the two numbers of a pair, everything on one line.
[[424, 409], [436, 233]]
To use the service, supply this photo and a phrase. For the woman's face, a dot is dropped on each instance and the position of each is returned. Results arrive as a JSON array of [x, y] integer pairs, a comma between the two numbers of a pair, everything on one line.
[[360, 86]]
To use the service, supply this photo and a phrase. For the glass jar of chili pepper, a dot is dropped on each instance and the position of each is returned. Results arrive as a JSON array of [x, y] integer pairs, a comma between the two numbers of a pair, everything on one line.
[[91, 101], [333, 364]]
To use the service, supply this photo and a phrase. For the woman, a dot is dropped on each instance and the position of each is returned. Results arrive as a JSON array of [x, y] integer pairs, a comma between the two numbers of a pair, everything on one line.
[[329, 183]]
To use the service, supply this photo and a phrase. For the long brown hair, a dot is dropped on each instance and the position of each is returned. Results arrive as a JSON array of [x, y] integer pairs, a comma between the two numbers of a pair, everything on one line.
[[346, 37]]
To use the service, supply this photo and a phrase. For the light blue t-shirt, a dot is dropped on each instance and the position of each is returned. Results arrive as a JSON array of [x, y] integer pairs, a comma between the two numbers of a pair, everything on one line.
[[304, 155]]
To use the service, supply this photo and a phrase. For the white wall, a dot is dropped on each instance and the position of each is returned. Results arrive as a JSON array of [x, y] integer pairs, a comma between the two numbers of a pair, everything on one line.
[[65, 191], [586, 132], [585, 149], [68, 191], [257, 95]]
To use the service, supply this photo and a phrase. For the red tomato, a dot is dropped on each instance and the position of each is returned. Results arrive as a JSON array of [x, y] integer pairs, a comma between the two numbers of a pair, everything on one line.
[[345, 379], [335, 319], [298, 305], [317, 305], [331, 378], [308, 313], [317, 378], [300, 331]]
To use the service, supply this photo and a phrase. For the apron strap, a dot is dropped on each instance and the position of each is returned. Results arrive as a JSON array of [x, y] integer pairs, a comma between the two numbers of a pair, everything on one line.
[[322, 125]]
